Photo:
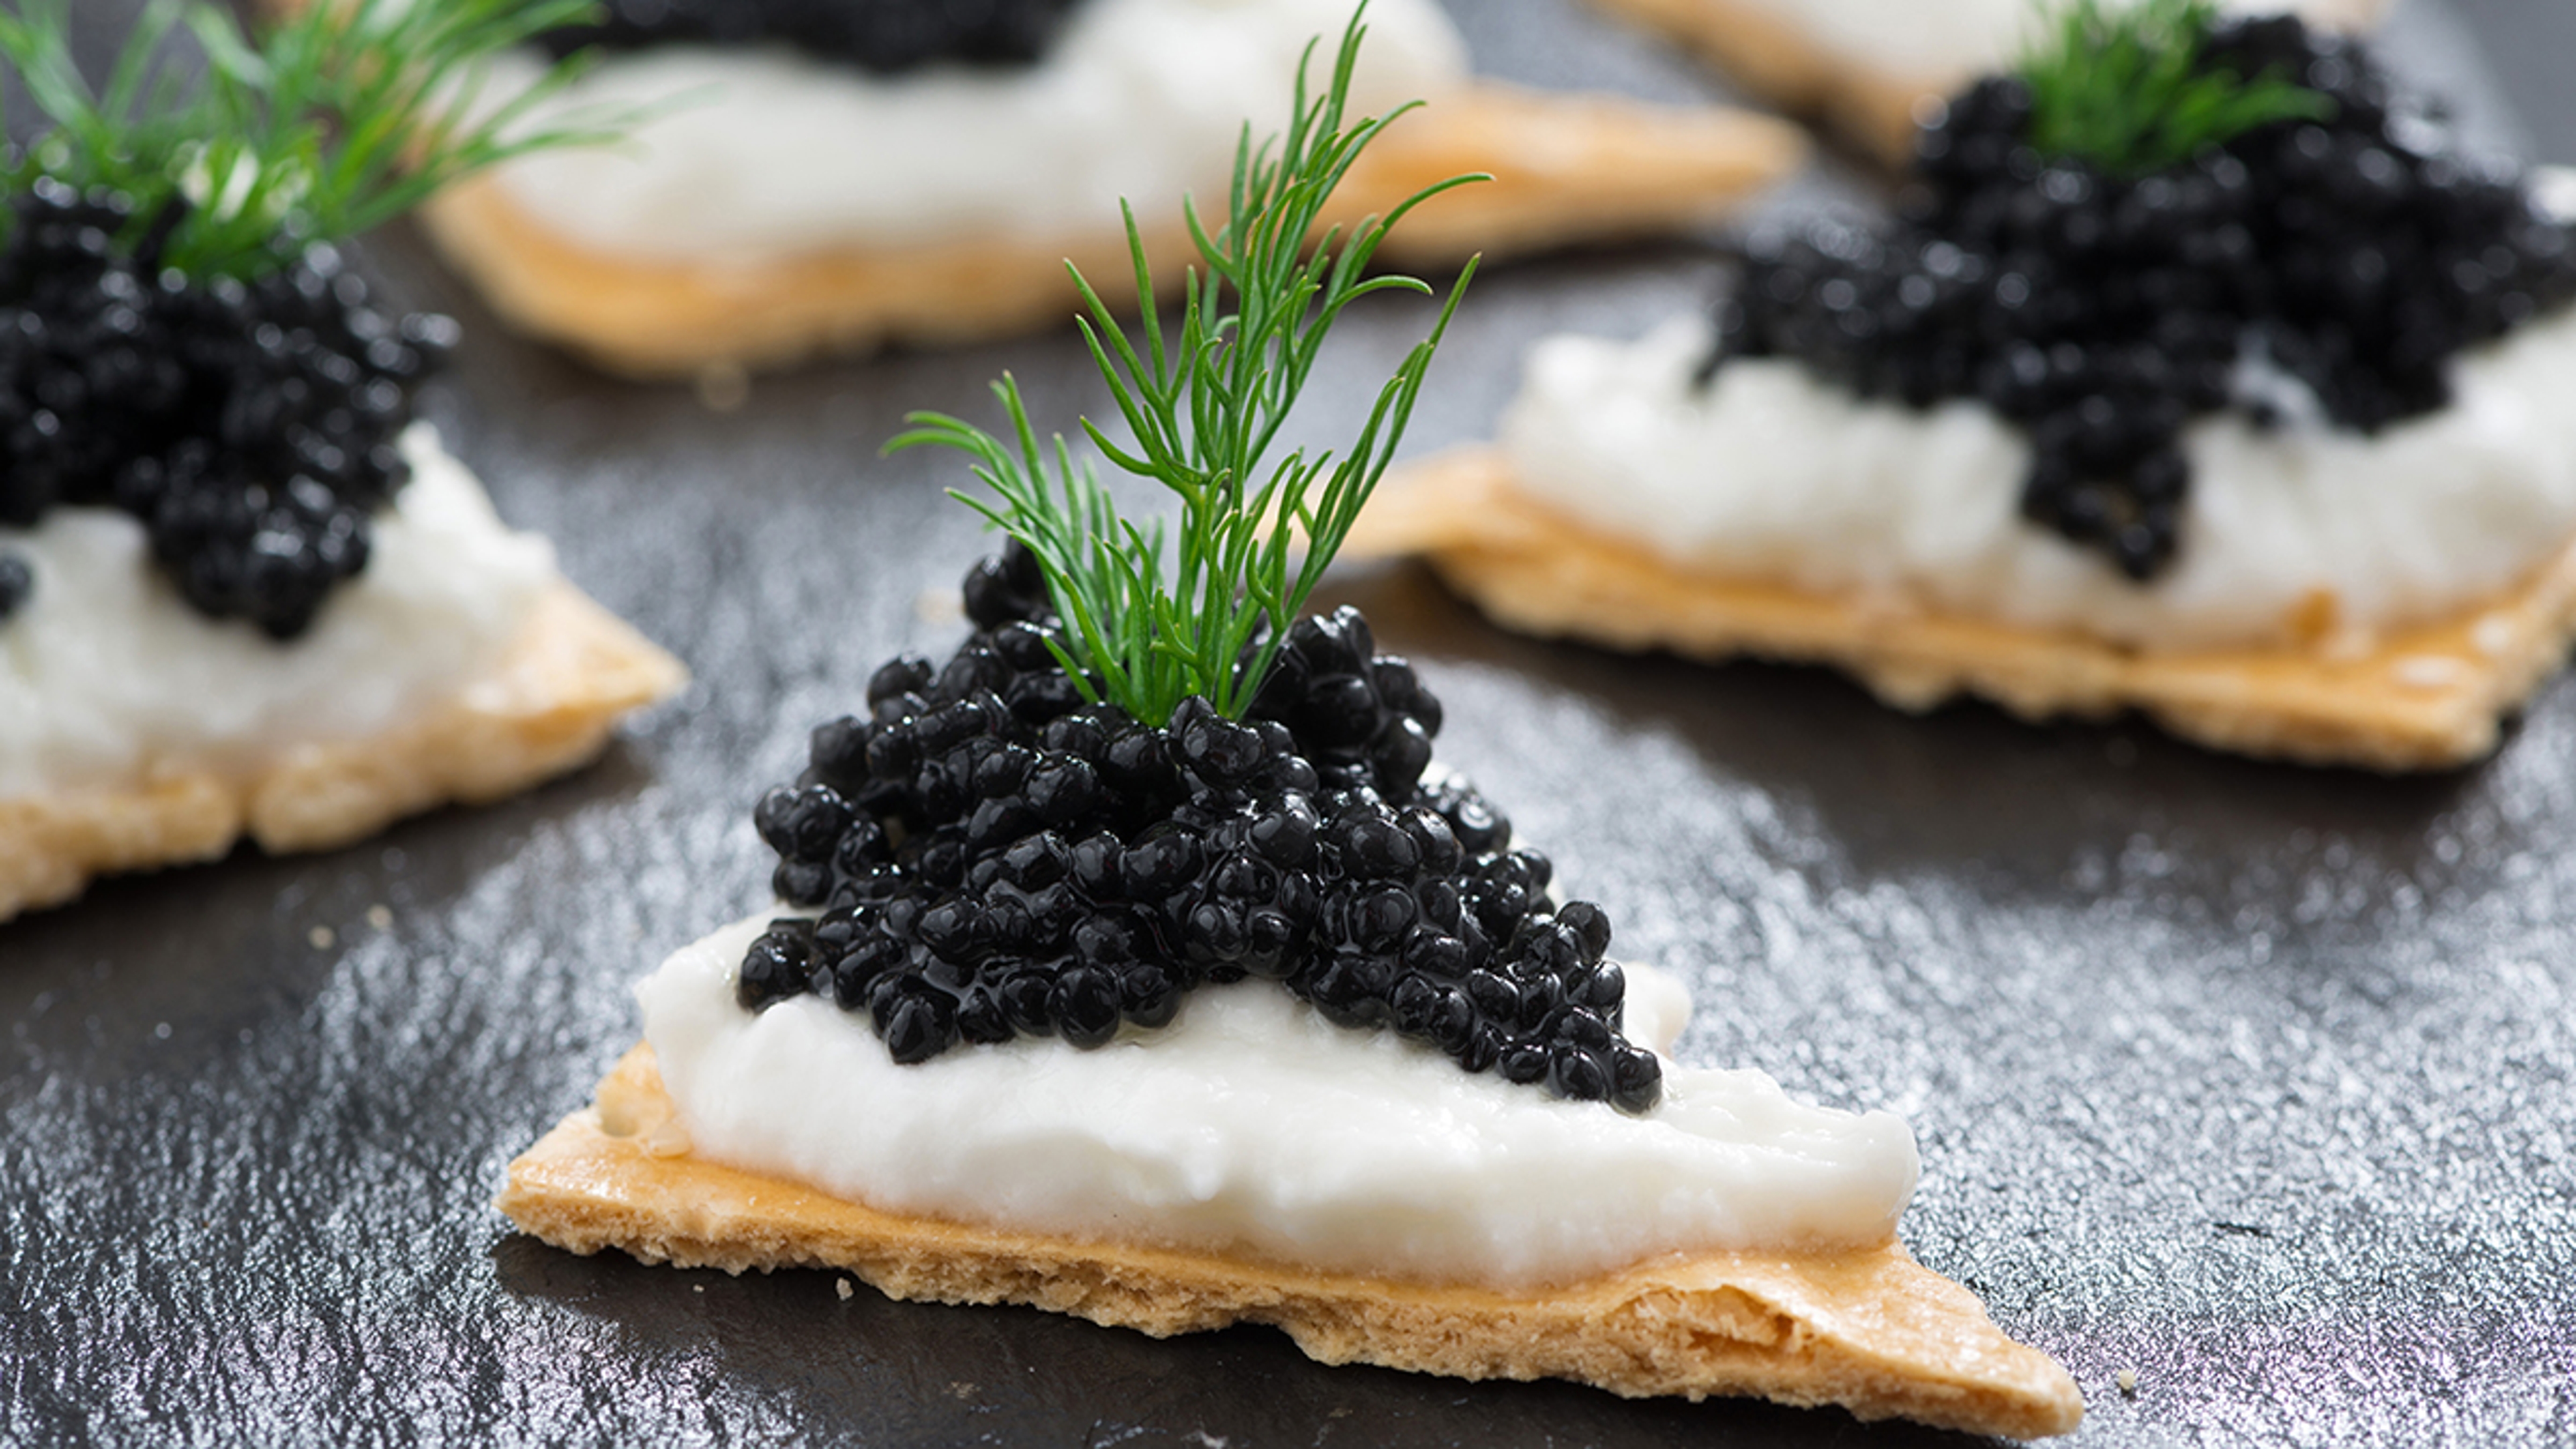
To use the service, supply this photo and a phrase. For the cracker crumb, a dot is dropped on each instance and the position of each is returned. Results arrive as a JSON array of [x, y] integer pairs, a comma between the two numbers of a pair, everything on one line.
[[2128, 1381], [697, 1287], [843, 1288], [961, 1390], [380, 916], [321, 937], [723, 387]]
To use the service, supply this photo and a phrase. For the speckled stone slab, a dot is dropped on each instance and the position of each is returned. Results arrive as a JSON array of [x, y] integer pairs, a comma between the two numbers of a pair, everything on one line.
[[2257, 1083]]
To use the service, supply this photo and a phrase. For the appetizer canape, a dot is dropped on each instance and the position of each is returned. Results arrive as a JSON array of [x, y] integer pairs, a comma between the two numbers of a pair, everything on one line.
[[1136, 963], [243, 591], [2199, 377]]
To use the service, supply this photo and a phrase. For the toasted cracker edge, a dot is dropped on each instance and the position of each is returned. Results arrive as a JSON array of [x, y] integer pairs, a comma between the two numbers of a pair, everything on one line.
[[1568, 168], [1869, 1329], [2427, 697], [546, 708]]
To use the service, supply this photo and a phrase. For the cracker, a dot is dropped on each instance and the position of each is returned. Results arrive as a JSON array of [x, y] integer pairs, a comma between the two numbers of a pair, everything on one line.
[[1868, 1329], [1567, 168], [1791, 67], [2428, 697], [546, 708]]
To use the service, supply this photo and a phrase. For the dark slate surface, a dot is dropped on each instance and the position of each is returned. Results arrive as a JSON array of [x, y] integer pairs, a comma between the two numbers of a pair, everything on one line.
[[2255, 1081]]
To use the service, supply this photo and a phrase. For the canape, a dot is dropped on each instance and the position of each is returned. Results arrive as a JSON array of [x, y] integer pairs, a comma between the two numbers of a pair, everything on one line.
[[2199, 378], [243, 590], [1136, 963]]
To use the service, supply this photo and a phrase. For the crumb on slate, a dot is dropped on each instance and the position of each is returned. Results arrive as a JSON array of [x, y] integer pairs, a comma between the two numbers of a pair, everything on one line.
[[321, 937], [843, 1288], [2128, 1380]]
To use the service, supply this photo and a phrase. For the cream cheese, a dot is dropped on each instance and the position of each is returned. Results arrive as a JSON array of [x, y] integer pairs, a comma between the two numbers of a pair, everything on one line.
[[1252, 1126], [106, 674], [763, 152], [1771, 474], [1945, 43]]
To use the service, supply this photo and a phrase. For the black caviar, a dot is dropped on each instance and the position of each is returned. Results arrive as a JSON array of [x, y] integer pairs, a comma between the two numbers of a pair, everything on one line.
[[2102, 313], [251, 427], [885, 36], [992, 857]]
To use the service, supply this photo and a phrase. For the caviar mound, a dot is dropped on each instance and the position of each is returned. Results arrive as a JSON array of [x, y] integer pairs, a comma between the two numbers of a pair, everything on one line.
[[884, 36], [2335, 265], [993, 857], [250, 427]]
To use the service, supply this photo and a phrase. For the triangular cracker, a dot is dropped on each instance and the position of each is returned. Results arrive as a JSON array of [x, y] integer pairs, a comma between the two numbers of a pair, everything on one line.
[[2433, 696], [546, 708], [1868, 1329]]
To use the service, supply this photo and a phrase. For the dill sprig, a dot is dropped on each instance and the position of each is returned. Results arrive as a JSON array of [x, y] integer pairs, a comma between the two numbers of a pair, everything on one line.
[[340, 117], [2124, 87], [1145, 627]]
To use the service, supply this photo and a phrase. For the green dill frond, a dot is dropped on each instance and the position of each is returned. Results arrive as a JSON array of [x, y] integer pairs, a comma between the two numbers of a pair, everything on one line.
[[338, 118], [2124, 87], [1146, 626]]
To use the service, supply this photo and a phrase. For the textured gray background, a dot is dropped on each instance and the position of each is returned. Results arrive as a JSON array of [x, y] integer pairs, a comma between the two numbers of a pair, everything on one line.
[[2256, 1081]]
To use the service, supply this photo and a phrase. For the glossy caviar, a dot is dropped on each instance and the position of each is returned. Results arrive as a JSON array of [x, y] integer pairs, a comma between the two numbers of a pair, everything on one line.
[[992, 858], [885, 36], [250, 427], [2355, 254]]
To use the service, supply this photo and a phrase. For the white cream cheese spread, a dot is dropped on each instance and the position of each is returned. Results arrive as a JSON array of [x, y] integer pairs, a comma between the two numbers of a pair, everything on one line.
[[107, 674], [1944, 43], [1253, 1126], [764, 152], [1771, 474]]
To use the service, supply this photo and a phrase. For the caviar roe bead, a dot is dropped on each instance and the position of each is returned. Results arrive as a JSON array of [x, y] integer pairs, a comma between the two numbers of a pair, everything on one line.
[[982, 873], [2102, 313], [251, 428], [779, 965], [885, 36]]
